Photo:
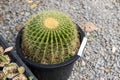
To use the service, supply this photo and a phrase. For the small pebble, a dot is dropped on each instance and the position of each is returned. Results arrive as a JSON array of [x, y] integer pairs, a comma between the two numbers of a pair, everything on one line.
[[83, 63], [113, 49]]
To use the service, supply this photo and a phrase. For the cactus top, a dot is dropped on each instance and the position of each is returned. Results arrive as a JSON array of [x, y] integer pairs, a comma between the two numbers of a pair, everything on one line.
[[51, 23], [50, 38]]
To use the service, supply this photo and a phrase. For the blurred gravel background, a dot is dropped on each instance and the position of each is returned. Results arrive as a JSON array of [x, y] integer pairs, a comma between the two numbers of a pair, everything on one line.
[[101, 59]]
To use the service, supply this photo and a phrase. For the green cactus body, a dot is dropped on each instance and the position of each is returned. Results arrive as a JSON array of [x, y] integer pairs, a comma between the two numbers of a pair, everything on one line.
[[50, 38]]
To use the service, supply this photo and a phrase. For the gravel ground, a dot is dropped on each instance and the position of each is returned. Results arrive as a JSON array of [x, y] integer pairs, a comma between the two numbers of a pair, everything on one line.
[[101, 59]]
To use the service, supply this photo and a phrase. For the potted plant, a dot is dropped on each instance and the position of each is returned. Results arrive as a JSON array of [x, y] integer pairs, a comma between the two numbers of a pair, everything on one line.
[[11, 66], [49, 44]]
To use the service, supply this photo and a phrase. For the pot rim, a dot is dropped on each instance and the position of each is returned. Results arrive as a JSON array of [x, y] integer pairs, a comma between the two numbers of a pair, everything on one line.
[[46, 66]]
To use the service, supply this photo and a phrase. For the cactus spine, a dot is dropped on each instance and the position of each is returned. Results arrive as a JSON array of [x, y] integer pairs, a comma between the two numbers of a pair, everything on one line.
[[50, 38]]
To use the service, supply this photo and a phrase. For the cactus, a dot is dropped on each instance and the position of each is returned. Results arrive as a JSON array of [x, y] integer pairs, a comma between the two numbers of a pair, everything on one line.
[[50, 37]]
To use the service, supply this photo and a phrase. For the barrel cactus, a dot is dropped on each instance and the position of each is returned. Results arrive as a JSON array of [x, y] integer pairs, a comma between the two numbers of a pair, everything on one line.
[[50, 38]]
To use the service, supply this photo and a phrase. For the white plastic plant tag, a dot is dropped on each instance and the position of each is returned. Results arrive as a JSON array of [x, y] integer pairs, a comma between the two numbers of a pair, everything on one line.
[[82, 46]]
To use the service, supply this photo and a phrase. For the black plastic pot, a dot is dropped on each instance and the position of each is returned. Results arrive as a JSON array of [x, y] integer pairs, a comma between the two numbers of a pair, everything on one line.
[[15, 58], [49, 72]]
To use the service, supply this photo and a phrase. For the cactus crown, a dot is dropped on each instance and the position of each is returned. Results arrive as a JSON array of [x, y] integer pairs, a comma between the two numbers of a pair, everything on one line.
[[50, 38]]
